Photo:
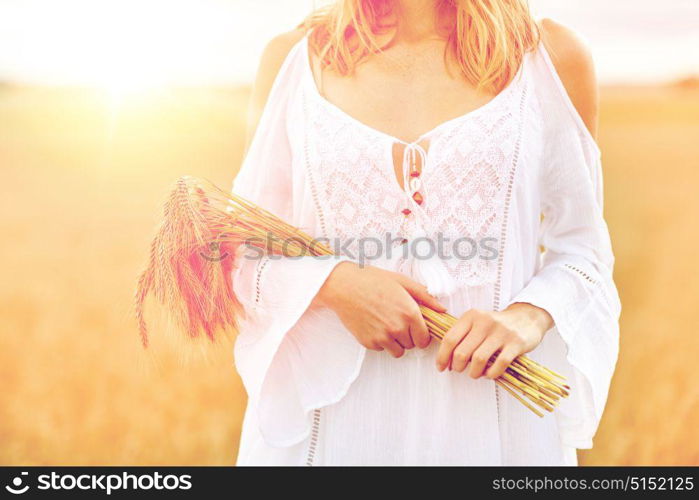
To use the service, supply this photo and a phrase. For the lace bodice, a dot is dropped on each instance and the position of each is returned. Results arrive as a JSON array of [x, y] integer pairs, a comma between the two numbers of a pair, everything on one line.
[[466, 180]]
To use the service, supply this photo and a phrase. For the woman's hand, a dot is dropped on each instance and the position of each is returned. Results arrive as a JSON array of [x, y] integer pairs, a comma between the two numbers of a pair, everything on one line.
[[477, 335], [380, 308]]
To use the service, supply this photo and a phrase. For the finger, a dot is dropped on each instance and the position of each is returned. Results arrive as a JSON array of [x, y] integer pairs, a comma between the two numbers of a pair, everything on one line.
[[463, 353], [451, 339], [504, 359], [373, 346], [393, 347], [419, 332], [482, 355], [419, 293], [404, 339], [482, 328]]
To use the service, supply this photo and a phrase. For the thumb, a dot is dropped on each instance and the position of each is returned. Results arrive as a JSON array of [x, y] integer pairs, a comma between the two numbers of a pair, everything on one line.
[[419, 292]]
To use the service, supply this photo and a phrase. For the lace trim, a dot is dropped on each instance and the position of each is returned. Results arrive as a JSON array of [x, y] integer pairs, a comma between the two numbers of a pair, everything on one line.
[[508, 198], [313, 443], [600, 290], [581, 273], [309, 171], [258, 279]]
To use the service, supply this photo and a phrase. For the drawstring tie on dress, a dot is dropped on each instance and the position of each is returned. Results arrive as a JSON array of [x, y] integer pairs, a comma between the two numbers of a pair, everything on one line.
[[422, 262]]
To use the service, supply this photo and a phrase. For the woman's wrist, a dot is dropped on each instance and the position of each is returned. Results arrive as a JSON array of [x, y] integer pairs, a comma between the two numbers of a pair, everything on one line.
[[337, 279], [538, 319]]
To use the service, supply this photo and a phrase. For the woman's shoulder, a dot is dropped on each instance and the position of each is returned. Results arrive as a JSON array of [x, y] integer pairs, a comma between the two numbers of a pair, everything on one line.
[[271, 61], [572, 60], [273, 57]]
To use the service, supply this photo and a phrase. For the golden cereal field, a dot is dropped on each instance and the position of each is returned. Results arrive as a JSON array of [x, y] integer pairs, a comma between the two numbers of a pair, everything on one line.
[[82, 182]]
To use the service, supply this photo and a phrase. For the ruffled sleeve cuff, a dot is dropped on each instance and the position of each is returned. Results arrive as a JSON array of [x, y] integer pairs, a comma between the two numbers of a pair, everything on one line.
[[293, 356], [586, 320]]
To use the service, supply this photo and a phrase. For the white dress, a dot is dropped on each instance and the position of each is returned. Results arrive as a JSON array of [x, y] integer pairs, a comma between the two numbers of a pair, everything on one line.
[[316, 396]]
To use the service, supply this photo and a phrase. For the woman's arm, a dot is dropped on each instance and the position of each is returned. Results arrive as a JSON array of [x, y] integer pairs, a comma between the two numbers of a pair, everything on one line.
[[521, 326]]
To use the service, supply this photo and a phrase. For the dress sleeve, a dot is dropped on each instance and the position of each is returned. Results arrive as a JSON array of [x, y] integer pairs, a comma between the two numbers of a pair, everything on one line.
[[293, 356], [574, 282]]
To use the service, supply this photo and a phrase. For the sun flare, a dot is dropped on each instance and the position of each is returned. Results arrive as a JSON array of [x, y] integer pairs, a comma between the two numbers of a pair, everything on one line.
[[133, 52], [128, 47]]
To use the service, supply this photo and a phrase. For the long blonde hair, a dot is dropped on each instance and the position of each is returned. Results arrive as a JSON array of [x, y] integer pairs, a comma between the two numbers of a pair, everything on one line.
[[488, 38]]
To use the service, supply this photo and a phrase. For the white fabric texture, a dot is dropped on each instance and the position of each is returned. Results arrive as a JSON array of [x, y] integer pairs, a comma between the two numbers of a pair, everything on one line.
[[317, 397]]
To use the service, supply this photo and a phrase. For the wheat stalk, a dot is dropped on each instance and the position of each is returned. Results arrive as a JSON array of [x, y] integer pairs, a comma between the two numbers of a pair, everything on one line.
[[197, 289]]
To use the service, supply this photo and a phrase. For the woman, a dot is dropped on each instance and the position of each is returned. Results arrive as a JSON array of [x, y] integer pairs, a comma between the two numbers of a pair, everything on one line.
[[334, 353]]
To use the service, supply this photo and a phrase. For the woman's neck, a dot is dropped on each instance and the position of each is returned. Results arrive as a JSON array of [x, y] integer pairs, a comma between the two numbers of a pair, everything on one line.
[[416, 20]]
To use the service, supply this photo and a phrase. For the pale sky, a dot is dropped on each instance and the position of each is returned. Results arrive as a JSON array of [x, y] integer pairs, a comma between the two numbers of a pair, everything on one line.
[[137, 42]]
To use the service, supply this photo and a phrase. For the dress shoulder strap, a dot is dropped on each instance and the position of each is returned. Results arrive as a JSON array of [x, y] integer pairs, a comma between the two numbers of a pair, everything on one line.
[[315, 65]]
